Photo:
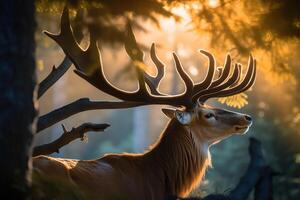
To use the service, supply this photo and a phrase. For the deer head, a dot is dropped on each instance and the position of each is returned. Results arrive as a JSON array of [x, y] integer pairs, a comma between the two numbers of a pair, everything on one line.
[[209, 124]]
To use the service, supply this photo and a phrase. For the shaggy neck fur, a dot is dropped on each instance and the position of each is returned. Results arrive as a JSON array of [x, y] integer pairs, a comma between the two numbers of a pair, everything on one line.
[[182, 157]]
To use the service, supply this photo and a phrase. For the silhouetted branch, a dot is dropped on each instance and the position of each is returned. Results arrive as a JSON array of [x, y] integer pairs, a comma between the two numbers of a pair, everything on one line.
[[67, 137], [78, 106], [57, 72], [263, 189], [54, 76], [253, 174]]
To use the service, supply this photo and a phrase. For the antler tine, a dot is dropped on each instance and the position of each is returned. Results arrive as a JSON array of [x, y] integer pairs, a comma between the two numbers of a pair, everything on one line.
[[247, 82], [65, 34], [240, 75], [153, 82], [224, 74], [185, 77], [88, 62], [210, 74], [243, 87], [220, 72], [206, 94], [159, 65], [136, 54], [208, 81]]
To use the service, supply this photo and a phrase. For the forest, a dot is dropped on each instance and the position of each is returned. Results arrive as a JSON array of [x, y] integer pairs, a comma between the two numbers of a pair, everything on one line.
[[83, 79]]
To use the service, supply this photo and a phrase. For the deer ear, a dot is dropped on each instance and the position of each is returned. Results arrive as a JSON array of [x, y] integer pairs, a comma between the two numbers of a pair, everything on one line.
[[169, 112], [183, 117]]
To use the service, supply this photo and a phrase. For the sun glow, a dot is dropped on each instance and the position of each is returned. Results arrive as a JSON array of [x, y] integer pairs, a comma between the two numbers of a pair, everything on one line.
[[213, 3], [193, 70], [168, 24], [182, 12]]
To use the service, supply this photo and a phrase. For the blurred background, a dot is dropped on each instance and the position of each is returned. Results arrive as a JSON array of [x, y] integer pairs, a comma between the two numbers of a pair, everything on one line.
[[269, 29]]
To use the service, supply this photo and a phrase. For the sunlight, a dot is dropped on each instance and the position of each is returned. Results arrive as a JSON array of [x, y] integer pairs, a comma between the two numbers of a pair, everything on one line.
[[213, 3], [182, 51], [40, 65], [193, 70], [298, 158], [182, 12], [168, 24]]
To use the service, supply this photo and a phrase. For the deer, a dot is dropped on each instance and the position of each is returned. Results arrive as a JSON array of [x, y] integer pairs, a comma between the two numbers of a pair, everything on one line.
[[177, 162]]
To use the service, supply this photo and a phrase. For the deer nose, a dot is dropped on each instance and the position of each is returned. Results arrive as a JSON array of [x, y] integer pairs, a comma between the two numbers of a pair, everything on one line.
[[248, 118]]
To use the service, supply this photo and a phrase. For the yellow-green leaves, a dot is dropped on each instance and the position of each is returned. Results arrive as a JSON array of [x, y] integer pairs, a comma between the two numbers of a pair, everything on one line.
[[236, 101]]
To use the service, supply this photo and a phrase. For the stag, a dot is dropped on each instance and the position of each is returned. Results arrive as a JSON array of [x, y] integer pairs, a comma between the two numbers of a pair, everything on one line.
[[177, 162]]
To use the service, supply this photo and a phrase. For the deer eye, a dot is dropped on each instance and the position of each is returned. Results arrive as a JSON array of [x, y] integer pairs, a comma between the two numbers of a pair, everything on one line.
[[209, 115]]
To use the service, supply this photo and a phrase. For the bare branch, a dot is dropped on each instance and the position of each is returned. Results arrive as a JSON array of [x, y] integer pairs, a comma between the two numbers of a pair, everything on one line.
[[58, 72], [78, 106], [54, 76], [67, 137]]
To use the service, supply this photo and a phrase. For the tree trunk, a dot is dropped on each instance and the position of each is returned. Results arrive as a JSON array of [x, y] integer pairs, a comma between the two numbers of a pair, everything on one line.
[[17, 83], [140, 129]]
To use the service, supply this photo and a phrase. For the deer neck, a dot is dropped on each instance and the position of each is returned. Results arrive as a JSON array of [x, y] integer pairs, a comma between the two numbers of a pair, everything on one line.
[[182, 157]]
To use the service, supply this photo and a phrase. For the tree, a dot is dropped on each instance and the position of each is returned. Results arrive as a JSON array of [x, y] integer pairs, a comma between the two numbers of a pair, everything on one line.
[[17, 99]]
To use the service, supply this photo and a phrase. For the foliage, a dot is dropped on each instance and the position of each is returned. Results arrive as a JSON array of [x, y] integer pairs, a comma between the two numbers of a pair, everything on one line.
[[107, 18], [236, 101]]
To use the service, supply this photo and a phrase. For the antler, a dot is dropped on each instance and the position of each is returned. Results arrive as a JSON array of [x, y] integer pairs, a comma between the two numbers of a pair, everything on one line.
[[231, 86], [89, 67]]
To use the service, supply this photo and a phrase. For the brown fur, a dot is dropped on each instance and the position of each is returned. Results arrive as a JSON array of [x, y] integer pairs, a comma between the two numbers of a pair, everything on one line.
[[175, 165]]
